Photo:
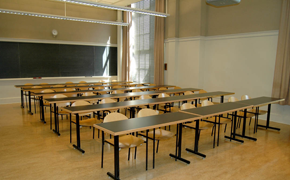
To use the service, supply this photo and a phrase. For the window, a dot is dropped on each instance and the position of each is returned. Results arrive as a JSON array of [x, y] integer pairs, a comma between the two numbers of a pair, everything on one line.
[[142, 43]]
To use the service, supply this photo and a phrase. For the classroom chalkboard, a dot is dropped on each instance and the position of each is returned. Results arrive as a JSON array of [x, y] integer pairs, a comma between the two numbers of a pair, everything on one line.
[[25, 60]]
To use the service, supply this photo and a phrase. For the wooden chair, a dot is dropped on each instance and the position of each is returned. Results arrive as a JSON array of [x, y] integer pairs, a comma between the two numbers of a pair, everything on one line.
[[69, 84], [83, 82], [91, 94], [191, 125], [100, 92], [166, 106], [162, 89], [160, 134], [125, 141], [240, 114], [85, 122], [223, 120], [25, 94], [116, 87], [119, 92], [35, 98], [70, 94], [82, 88], [254, 110], [105, 101], [44, 85]]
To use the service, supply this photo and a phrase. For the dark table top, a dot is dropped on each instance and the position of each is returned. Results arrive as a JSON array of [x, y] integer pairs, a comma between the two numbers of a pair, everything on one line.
[[217, 109], [143, 123], [131, 94], [128, 88], [133, 103], [190, 97], [120, 82], [260, 101]]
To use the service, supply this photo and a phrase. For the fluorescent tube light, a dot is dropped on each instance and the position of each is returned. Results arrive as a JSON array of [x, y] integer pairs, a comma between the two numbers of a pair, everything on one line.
[[113, 7], [67, 18]]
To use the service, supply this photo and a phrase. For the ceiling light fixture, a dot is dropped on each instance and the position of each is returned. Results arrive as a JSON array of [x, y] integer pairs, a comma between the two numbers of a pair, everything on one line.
[[67, 18], [113, 7]]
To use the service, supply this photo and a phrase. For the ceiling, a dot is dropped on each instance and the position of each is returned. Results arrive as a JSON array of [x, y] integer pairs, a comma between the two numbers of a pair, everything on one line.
[[116, 2]]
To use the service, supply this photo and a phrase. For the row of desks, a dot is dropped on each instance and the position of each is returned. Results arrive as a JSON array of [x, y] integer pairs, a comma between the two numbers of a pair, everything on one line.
[[118, 128], [110, 82], [40, 94]]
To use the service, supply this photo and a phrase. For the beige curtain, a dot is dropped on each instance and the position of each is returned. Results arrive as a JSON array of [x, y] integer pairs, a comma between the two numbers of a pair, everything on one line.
[[282, 67], [127, 17], [159, 44]]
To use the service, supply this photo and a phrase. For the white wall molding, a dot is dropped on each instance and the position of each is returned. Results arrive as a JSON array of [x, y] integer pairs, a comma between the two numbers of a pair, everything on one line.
[[243, 35], [56, 42], [227, 36]]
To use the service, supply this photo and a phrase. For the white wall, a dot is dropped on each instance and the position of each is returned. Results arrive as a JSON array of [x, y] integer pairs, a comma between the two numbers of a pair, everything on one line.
[[10, 94], [240, 63]]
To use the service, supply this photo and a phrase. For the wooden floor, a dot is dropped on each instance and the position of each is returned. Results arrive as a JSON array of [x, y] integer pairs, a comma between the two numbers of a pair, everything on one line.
[[30, 150]]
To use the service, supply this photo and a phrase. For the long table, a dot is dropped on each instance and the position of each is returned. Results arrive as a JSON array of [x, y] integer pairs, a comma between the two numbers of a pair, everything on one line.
[[258, 102], [30, 91], [118, 128], [119, 82], [130, 104], [97, 97], [28, 88]]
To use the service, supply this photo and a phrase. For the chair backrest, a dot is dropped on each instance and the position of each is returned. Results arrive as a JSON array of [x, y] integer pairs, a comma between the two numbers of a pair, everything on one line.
[[35, 87], [47, 91], [59, 85], [114, 80], [177, 87], [83, 82], [147, 112], [43, 83], [69, 82], [145, 97], [187, 106], [81, 85], [114, 117], [139, 85], [107, 100], [163, 95], [117, 92], [188, 93], [69, 89], [244, 97], [59, 96], [116, 87], [99, 87], [162, 89], [28, 84], [89, 94], [136, 90], [202, 91], [98, 84], [152, 84], [80, 103], [206, 103], [233, 99], [101, 81]]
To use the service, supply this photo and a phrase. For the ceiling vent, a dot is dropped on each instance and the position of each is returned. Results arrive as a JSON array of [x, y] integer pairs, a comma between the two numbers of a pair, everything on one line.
[[221, 3]]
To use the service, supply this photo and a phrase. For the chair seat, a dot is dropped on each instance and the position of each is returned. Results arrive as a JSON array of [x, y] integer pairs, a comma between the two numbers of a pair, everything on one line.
[[46, 104], [261, 112], [222, 120], [63, 112], [202, 125], [88, 122], [249, 115], [160, 134], [127, 141]]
